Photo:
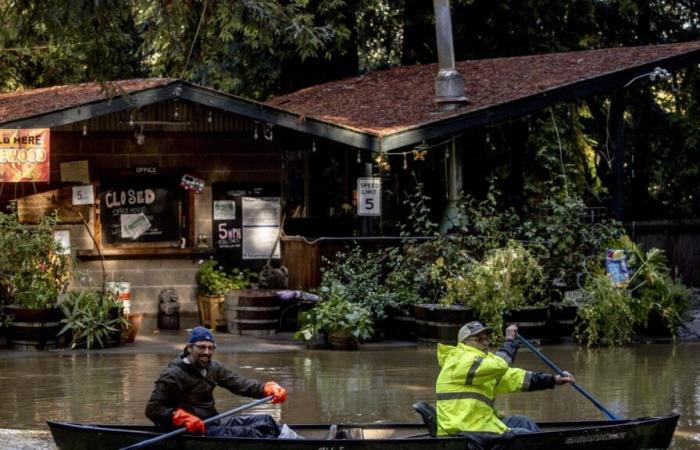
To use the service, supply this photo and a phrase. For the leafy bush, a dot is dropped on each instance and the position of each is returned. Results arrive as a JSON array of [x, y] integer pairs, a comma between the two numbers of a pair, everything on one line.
[[213, 279], [612, 312], [93, 317], [32, 265], [359, 275], [508, 278], [336, 313]]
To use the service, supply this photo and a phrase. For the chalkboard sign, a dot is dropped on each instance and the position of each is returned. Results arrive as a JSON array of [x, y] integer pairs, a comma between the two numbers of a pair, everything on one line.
[[246, 222], [140, 209]]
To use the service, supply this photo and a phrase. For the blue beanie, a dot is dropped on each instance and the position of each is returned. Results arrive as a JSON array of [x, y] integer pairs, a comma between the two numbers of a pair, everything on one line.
[[200, 334]]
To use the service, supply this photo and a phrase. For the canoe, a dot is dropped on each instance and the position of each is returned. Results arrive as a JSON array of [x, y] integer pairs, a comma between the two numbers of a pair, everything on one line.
[[629, 434]]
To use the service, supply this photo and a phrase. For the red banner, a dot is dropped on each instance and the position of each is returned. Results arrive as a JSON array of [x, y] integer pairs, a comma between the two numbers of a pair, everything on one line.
[[24, 155]]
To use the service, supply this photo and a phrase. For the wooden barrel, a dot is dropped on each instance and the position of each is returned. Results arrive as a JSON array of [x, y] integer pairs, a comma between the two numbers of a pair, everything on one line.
[[440, 323], [400, 325], [34, 329], [531, 321], [562, 319], [252, 312]]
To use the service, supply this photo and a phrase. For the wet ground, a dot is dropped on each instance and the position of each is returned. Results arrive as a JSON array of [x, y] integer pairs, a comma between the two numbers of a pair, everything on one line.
[[379, 382]]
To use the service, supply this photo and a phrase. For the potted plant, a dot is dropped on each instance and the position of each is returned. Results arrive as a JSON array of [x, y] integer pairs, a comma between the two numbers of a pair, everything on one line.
[[93, 319], [344, 323], [35, 271], [214, 282], [614, 312], [507, 284]]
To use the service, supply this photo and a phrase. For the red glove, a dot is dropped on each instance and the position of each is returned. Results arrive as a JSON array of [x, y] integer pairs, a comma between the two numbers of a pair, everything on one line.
[[279, 394], [190, 421]]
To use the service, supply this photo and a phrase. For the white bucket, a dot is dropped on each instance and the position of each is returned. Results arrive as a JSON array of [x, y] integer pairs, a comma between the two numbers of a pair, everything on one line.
[[123, 291]]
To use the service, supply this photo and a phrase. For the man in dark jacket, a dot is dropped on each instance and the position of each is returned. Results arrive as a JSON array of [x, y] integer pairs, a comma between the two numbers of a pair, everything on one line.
[[183, 394]]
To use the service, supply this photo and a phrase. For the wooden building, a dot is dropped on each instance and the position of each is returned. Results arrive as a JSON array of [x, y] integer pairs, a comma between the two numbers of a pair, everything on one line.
[[185, 158]]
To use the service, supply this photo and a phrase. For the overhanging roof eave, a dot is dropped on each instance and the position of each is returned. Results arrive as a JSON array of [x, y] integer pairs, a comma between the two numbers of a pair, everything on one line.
[[522, 106]]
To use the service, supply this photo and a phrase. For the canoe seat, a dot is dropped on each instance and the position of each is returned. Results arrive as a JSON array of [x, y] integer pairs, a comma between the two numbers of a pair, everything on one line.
[[332, 432], [427, 412]]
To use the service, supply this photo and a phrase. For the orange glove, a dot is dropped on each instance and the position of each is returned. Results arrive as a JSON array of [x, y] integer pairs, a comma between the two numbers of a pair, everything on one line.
[[279, 394], [190, 421]]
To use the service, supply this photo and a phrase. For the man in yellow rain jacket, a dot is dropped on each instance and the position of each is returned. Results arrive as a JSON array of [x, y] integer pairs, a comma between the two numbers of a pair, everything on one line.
[[471, 377]]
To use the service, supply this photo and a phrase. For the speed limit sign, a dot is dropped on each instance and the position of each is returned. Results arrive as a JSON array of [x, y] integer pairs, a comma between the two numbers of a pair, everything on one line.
[[369, 196]]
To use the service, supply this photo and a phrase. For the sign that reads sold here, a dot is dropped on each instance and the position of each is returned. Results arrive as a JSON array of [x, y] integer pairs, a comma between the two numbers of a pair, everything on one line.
[[24, 155]]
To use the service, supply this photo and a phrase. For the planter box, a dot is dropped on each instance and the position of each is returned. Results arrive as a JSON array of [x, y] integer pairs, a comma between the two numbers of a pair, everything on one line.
[[563, 319], [211, 312], [400, 325]]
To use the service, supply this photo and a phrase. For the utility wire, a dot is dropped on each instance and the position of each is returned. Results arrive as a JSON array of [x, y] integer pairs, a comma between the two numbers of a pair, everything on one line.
[[194, 41]]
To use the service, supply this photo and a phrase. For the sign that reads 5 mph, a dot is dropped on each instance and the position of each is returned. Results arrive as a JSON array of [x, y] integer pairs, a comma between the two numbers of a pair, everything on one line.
[[369, 196]]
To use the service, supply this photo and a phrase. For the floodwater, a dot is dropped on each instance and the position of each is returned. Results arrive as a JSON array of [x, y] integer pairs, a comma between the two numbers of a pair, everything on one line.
[[363, 386]]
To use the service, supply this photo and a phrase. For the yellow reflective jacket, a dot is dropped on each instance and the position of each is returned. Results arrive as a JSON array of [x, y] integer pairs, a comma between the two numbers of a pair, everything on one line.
[[467, 386]]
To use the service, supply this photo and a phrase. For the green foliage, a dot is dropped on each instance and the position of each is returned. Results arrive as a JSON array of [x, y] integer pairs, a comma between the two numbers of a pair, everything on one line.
[[562, 228], [608, 318], [336, 313], [487, 224], [34, 272], [213, 279], [508, 278], [359, 275], [612, 314], [93, 318]]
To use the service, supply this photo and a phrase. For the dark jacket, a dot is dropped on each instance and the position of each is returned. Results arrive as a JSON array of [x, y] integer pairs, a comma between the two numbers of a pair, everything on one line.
[[180, 385]]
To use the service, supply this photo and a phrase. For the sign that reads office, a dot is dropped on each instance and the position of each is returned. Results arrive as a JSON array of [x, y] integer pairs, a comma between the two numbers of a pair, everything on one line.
[[369, 196]]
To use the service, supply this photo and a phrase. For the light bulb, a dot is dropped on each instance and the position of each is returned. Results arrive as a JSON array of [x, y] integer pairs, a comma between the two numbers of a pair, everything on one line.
[[255, 133], [209, 119], [359, 157], [84, 130], [131, 119], [176, 113], [405, 163], [313, 146]]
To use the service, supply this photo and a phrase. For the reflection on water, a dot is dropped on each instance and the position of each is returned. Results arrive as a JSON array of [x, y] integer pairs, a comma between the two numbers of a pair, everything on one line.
[[365, 386]]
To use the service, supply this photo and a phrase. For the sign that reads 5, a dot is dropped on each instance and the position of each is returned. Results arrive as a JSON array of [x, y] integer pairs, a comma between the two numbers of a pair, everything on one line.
[[369, 196]]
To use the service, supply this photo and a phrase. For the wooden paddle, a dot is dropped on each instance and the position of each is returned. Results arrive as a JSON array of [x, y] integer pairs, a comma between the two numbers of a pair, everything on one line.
[[546, 360], [165, 436]]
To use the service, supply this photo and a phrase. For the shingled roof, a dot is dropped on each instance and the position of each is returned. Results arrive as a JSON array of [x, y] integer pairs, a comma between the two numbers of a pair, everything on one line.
[[33, 102], [397, 105]]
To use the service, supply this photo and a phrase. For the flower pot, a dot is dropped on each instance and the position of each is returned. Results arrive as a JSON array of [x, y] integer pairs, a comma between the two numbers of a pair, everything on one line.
[[211, 310], [441, 323], [33, 329], [129, 333], [343, 340]]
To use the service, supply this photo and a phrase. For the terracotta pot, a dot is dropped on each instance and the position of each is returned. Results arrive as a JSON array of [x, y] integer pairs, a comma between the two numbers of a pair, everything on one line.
[[129, 334]]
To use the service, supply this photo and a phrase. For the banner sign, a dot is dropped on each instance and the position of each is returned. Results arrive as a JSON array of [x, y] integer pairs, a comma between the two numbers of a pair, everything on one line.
[[24, 155]]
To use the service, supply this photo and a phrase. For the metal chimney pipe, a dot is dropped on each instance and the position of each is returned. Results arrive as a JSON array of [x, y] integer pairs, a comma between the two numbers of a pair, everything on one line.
[[449, 83]]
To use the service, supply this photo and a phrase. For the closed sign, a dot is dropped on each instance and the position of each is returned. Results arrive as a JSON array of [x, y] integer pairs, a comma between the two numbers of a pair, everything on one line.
[[369, 196]]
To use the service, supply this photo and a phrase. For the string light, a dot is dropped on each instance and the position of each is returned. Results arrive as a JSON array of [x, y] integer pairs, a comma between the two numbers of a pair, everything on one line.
[[176, 113], [84, 130], [131, 119], [255, 132], [209, 118], [313, 146], [359, 157], [405, 162]]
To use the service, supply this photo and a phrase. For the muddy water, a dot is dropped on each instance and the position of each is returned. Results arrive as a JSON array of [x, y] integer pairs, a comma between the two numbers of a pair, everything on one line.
[[364, 386]]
